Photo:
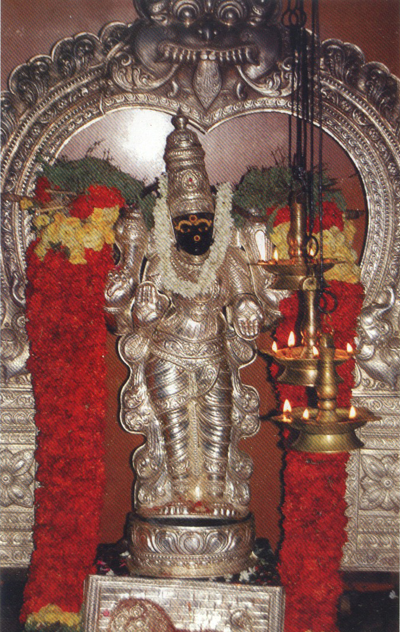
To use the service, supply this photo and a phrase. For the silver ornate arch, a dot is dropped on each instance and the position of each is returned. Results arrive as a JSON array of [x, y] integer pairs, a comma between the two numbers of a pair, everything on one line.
[[85, 77]]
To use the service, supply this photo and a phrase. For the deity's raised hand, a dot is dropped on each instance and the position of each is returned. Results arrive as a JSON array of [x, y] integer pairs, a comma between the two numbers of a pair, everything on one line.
[[149, 303]]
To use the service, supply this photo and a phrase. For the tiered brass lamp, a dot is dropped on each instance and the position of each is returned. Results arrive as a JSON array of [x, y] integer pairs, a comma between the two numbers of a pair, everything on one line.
[[300, 363], [326, 428], [299, 272]]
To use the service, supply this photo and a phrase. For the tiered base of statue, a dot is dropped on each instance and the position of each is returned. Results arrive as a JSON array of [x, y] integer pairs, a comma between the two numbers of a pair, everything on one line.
[[116, 604], [189, 547]]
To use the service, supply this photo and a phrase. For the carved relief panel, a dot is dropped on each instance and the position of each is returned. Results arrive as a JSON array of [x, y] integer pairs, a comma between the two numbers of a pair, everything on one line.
[[232, 61]]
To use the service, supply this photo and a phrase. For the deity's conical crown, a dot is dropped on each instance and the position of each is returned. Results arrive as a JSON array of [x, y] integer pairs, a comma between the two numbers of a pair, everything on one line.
[[188, 185]]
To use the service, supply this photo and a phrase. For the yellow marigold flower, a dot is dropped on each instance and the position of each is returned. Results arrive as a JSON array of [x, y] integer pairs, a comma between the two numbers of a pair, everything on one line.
[[333, 241], [40, 221], [77, 255], [68, 231], [52, 614], [109, 236], [349, 229], [68, 236], [104, 218], [111, 214], [25, 203], [343, 272], [80, 233], [337, 245], [279, 239], [51, 233], [96, 215], [41, 249], [75, 234], [59, 218], [92, 238], [72, 222]]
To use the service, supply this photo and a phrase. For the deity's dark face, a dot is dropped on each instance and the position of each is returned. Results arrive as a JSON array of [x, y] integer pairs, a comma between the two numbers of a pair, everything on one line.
[[193, 232]]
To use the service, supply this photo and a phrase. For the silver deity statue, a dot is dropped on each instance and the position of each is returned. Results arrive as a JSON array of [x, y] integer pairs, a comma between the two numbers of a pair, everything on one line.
[[188, 307]]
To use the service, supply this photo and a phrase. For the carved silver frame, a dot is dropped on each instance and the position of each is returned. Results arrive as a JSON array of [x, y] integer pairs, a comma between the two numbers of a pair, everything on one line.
[[220, 607], [53, 96]]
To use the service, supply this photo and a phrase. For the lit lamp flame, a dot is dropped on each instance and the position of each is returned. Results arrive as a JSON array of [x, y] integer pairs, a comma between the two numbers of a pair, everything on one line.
[[306, 414], [287, 411], [315, 353], [275, 255], [260, 241], [286, 406], [291, 340], [274, 347], [352, 412], [349, 348]]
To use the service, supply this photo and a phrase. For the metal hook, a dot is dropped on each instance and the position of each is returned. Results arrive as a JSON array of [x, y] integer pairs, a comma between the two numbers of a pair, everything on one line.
[[323, 302]]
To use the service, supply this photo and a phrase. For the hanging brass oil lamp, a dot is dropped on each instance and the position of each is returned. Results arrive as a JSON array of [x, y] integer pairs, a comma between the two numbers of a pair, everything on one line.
[[300, 363], [299, 272], [313, 363], [291, 273], [326, 428]]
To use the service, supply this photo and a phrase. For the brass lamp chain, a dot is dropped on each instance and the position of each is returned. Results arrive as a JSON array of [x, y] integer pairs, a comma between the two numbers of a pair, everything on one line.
[[294, 19], [326, 427], [305, 116], [317, 66]]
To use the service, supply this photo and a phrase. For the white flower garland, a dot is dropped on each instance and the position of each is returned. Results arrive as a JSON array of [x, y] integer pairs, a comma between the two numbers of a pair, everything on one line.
[[165, 242]]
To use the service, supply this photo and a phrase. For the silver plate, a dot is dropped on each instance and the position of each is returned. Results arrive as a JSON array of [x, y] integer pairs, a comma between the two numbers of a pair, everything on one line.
[[191, 605]]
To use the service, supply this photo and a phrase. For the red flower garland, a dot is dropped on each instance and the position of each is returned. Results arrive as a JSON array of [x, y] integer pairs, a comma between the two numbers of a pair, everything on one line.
[[98, 196], [65, 324], [314, 487], [314, 526], [42, 190], [66, 327], [332, 216]]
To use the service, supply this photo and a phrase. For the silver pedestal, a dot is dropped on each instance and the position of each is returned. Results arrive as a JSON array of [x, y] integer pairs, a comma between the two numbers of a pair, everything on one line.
[[189, 548], [113, 603]]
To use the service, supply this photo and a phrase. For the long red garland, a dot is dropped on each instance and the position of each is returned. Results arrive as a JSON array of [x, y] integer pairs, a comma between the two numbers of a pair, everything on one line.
[[65, 324], [314, 526]]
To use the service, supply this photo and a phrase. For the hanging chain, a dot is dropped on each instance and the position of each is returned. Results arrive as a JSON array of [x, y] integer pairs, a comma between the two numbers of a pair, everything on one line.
[[323, 291], [294, 16], [307, 145], [294, 19]]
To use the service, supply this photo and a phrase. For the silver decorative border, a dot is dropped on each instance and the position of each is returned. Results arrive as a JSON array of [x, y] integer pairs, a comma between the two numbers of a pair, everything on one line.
[[53, 96], [191, 605], [372, 489]]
